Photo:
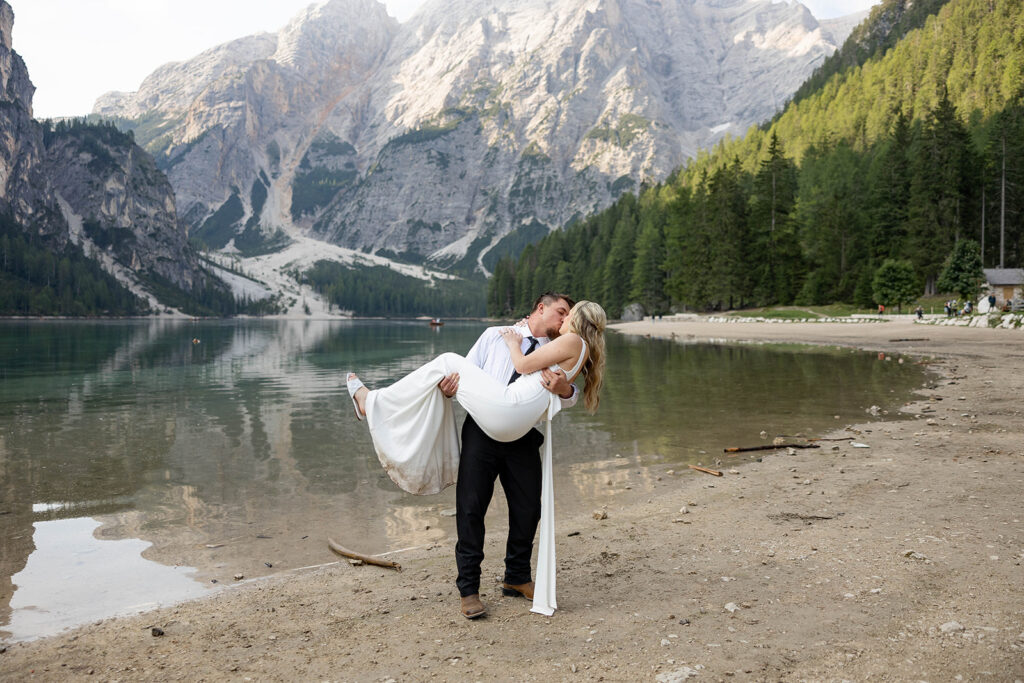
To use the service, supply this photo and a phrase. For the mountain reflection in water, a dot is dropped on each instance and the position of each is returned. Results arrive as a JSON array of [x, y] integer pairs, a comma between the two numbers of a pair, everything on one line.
[[202, 450]]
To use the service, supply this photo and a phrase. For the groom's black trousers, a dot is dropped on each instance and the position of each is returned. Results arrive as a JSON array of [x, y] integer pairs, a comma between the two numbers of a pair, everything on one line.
[[517, 465]]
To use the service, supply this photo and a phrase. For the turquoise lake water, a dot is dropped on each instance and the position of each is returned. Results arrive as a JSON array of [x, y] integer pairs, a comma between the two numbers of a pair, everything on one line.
[[148, 462]]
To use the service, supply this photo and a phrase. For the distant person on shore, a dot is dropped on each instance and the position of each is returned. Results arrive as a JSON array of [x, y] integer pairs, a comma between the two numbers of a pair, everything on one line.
[[920, 312], [512, 378], [881, 309]]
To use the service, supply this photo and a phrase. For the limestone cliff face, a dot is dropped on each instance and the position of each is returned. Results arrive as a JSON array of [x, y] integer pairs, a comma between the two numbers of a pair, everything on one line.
[[437, 137], [126, 205], [85, 184], [233, 126], [23, 185]]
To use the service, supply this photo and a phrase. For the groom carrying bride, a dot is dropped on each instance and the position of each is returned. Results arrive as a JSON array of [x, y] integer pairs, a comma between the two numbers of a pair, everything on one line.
[[516, 464]]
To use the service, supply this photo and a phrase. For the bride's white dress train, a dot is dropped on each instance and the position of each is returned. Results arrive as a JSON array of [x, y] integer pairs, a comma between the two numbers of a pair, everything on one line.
[[416, 440]]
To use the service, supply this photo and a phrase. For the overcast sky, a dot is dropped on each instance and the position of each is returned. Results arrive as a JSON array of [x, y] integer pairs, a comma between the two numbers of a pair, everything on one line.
[[76, 50]]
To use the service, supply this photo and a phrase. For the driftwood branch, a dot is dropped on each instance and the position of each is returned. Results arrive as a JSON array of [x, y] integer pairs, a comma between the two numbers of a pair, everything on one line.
[[345, 552], [797, 436], [771, 447], [704, 469]]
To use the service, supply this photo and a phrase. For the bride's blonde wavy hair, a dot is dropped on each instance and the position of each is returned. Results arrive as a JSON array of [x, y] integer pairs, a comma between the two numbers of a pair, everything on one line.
[[588, 320]]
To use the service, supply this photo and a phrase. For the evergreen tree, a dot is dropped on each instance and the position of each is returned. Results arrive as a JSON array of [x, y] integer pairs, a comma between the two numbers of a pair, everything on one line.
[[962, 272], [648, 281], [501, 291], [545, 273], [727, 227], [894, 283], [772, 252], [618, 266], [1003, 177], [889, 180], [940, 189], [678, 276], [602, 230], [690, 249], [524, 279], [830, 215]]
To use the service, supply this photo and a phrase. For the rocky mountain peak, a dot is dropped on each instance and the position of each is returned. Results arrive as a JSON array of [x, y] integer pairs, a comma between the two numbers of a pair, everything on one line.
[[15, 85], [6, 24], [322, 33], [437, 137], [174, 86]]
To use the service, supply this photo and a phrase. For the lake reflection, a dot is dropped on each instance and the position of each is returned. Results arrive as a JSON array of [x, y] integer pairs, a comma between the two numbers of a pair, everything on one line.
[[219, 448]]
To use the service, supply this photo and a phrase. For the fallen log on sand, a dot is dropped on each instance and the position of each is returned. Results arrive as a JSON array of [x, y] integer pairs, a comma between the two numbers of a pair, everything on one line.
[[704, 469], [770, 448], [842, 438], [345, 552]]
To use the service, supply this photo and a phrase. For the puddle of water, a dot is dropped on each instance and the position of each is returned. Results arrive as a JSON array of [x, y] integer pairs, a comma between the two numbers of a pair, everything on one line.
[[73, 578]]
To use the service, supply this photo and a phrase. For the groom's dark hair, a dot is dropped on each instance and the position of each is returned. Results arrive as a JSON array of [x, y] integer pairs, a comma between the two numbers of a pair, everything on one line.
[[548, 298]]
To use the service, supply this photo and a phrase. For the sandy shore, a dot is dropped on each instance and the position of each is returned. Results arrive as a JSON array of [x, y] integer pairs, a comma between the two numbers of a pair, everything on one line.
[[901, 561]]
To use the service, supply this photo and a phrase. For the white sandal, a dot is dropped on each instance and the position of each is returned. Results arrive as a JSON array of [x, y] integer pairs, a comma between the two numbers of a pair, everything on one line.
[[353, 386]]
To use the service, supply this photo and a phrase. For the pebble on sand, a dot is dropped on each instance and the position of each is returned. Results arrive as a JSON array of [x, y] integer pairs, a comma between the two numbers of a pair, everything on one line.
[[951, 627]]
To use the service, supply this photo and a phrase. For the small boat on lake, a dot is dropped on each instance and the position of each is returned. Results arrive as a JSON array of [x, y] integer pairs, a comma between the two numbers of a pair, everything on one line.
[[436, 322]]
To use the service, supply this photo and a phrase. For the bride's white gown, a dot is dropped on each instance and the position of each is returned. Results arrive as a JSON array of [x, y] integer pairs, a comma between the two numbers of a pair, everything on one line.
[[414, 434]]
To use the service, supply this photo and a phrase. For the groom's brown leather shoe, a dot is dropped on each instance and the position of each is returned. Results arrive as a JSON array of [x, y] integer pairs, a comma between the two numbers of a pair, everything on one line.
[[523, 589], [471, 607]]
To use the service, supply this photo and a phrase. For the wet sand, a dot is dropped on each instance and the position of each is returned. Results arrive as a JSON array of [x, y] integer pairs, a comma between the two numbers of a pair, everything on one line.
[[900, 561]]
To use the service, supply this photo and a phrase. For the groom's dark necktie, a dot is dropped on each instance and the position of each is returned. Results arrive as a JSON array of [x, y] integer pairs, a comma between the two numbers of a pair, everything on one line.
[[533, 346]]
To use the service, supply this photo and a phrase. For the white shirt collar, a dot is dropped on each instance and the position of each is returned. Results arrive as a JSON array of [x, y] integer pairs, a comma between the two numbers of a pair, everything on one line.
[[527, 333]]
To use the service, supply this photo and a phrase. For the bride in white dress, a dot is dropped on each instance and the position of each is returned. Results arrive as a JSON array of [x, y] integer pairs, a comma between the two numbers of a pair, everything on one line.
[[413, 425]]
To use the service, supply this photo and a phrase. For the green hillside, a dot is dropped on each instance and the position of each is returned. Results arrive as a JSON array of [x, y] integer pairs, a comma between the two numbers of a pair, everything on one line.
[[888, 22], [380, 291], [896, 159], [37, 279]]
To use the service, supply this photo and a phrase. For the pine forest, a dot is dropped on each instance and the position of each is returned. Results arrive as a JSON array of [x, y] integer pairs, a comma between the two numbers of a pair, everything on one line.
[[891, 163]]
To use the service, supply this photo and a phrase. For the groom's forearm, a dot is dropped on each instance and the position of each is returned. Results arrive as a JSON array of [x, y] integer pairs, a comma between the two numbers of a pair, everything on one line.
[[557, 383]]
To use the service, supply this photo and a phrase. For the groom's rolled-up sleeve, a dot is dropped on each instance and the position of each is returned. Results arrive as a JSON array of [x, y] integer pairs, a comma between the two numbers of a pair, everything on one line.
[[571, 401]]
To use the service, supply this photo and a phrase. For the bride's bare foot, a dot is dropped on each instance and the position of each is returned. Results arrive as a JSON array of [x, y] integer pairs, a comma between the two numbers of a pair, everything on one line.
[[360, 394]]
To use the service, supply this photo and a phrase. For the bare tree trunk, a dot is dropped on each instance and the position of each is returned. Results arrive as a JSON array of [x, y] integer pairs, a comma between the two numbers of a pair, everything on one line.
[[1002, 208], [956, 222], [983, 224], [771, 241]]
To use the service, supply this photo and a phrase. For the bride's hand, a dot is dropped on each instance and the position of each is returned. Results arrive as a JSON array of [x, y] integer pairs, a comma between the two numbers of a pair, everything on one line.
[[512, 338]]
